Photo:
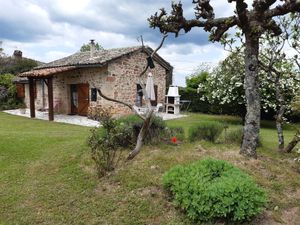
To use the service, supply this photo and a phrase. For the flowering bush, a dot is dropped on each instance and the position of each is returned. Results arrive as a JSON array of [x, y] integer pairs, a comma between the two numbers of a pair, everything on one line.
[[225, 84]]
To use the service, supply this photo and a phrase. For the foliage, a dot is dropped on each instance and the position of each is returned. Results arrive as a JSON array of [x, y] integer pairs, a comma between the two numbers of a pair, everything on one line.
[[214, 189], [190, 92], [8, 98], [107, 144], [195, 79], [207, 130], [177, 132], [156, 132], [87, 47], [16, 66], [234, 136], [197, 103], [224, 86]]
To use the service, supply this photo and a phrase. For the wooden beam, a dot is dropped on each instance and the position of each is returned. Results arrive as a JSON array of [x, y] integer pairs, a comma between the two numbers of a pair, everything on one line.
[[50, 99], [31, 97]]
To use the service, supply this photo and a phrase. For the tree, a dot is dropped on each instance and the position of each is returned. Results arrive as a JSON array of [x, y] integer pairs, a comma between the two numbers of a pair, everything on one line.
[[87, 47], [224, 85], [13, 66], [278, 86], [253, 22], [191, 94]]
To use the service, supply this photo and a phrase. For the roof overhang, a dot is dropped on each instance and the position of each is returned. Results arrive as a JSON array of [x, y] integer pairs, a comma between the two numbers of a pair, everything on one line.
[[46, 72]]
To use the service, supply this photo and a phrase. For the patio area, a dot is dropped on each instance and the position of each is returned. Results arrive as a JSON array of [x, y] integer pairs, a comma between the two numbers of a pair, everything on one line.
[[75, 119]]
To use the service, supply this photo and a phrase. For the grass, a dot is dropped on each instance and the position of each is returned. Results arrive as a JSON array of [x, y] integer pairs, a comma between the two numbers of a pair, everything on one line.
[[47, 176]]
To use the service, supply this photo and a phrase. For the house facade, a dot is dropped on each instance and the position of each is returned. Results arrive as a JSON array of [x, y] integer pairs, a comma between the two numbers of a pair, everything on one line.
[[68, 85]]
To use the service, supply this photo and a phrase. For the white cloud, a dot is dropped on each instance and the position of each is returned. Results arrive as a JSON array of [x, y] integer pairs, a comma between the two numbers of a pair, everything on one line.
[[50, 29]]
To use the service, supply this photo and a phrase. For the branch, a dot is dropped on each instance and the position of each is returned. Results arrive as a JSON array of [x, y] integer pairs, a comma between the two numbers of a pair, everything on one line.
[[161, 44], [287, 7], [175, 22], [204, 9], [120, 102], [262, 5], [241, 10]]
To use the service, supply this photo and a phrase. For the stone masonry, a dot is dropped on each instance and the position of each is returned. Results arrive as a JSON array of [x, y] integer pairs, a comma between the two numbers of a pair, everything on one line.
[[118, 79]]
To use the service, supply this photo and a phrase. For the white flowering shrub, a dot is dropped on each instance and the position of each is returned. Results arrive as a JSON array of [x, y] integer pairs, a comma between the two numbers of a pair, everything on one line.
[[225, 84]]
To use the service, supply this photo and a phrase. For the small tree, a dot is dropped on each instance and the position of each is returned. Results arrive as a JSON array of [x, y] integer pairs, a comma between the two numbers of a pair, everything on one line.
[[254, 23], [148, 116], [87, 47]]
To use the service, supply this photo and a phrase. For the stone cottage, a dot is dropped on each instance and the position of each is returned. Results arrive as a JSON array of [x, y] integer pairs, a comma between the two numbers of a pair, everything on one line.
[[68, 85]]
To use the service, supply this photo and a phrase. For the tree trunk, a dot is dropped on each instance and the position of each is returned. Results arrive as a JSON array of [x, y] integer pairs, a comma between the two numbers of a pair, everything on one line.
[[280, 134], [279, 114], [252, 120], [293, 143], [142, 135]]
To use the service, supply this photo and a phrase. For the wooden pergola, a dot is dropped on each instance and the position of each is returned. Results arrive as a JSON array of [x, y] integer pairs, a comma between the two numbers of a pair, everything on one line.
[[47, 76]]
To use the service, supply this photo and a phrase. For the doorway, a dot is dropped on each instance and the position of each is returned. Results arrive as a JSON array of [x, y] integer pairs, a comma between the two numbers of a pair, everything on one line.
[[79, 99]]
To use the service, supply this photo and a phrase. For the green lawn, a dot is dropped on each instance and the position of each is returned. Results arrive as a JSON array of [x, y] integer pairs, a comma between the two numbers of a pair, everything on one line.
[[47, 176]]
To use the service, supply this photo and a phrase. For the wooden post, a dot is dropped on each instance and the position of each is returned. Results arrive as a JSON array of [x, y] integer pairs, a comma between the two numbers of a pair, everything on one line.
[[31, 97], [50, 99]]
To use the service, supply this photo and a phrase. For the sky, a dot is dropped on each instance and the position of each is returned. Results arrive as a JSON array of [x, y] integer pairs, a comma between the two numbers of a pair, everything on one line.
[[47, 30]]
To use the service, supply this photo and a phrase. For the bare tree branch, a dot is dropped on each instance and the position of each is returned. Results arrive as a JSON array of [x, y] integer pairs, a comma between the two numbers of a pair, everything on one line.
[[175, 22], [160, 45], [119, 102], [287, 7]]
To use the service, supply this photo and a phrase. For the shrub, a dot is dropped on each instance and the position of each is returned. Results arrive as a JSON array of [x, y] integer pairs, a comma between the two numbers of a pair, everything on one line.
[[208, 131], [107, 143], [235, 136], [210, 189], [177, 132], [156, 132], [8, 98]]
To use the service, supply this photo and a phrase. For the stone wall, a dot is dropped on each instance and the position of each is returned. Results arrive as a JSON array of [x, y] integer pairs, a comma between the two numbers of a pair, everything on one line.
[[117, 80]]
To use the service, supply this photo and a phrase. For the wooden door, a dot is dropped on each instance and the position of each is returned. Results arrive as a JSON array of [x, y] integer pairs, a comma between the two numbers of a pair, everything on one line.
[[83, 99]]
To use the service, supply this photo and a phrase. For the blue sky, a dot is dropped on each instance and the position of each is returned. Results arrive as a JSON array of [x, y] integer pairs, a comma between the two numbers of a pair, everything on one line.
[[50, 29]]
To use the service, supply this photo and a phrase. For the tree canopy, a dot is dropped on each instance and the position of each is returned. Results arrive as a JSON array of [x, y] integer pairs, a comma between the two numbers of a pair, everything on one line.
[[87, 47], [253, 22]]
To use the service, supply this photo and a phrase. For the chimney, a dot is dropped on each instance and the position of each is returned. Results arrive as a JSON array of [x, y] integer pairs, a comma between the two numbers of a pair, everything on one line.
[[92, 47], [17, 54]]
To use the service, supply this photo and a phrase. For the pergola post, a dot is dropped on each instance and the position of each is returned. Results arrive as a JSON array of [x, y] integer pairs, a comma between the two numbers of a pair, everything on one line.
[[50, 99], [31, 97]]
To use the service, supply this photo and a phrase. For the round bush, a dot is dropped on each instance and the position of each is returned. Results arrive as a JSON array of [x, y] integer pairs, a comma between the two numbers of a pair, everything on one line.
[[211, 189]]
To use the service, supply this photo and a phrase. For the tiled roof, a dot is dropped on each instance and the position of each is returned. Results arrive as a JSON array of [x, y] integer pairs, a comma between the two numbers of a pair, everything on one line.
[[84, 58], [46, 71]]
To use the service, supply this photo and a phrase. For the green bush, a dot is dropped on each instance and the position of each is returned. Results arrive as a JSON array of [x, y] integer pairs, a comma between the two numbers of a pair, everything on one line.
[[209, 131], [177, 132], [8, 98], [210, 190], [108, 142], [156, 131], [235, 136]]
